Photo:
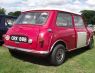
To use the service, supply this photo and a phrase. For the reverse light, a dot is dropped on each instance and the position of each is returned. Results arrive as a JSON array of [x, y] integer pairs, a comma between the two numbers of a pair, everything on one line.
[[30, 41]]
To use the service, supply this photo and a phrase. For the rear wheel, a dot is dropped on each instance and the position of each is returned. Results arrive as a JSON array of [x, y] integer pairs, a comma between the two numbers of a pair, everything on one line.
[[58, 55]]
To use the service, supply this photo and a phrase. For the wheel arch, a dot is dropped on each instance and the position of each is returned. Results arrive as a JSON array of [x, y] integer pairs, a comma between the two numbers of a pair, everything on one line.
[[58, 42]]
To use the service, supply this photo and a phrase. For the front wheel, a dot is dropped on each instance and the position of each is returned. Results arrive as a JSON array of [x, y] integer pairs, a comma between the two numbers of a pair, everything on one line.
[[91, 43], [58, 55]]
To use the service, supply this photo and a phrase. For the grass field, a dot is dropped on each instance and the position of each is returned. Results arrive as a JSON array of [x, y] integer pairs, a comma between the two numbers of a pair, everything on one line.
[[79, 61]]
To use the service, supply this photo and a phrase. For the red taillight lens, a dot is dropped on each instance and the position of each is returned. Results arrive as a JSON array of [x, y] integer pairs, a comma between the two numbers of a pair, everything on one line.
[[41, 40], [6, 37]]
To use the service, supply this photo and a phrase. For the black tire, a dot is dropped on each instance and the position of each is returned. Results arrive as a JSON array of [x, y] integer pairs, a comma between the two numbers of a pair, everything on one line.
[[58, 55], [91, 43]]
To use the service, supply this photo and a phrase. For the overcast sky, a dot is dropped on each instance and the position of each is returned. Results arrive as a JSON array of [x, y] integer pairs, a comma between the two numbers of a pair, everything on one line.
[[67, 5]]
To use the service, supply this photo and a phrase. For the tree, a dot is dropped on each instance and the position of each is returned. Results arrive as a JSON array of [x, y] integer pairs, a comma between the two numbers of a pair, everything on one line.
[[2, 11], [93, 20], [10, 13], [89, 16], [16, 13]]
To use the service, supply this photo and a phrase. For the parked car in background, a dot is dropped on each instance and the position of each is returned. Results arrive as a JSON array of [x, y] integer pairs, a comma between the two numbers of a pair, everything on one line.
[[5, 23], [92, 27], [48, 32]]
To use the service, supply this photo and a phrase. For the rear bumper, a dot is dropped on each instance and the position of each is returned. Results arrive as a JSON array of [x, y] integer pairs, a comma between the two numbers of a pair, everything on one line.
[[27, 50]]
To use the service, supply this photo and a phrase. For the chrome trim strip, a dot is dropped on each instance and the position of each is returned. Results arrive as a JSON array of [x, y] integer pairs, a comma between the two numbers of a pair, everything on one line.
[[27, 50]]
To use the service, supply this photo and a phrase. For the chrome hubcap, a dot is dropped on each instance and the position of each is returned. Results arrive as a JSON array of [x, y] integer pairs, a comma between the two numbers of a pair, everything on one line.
[[60, 55]]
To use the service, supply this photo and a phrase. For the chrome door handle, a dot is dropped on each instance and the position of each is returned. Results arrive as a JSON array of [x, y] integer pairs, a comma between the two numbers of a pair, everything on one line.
[[49, 30]]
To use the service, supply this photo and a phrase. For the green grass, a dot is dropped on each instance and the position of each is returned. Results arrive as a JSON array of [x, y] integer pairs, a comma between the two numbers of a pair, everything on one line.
[[79, 61]]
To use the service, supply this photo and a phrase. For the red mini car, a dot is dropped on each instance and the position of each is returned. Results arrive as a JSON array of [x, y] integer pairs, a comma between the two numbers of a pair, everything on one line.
[[48, 32]]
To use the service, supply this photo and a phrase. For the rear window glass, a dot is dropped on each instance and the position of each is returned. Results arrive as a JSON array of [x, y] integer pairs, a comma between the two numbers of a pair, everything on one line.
[[32, 18]]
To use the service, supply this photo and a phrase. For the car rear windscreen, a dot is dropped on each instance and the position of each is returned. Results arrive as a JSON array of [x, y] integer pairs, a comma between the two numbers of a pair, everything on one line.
[[33, 18]]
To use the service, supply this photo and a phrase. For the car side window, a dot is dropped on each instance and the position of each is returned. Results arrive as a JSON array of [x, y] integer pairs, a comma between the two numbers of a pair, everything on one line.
[[64, 20], [78, 21]]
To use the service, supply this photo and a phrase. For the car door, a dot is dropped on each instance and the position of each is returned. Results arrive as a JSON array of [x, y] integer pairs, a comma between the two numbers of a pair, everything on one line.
[[81, 31], [65, 30]]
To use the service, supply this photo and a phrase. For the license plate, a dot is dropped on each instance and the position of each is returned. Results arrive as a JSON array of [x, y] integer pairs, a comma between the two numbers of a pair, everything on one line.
[[19, 38]]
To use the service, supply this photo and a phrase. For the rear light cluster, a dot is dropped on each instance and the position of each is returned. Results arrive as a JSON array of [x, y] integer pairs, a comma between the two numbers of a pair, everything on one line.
[[7, 37], [41, 40]]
